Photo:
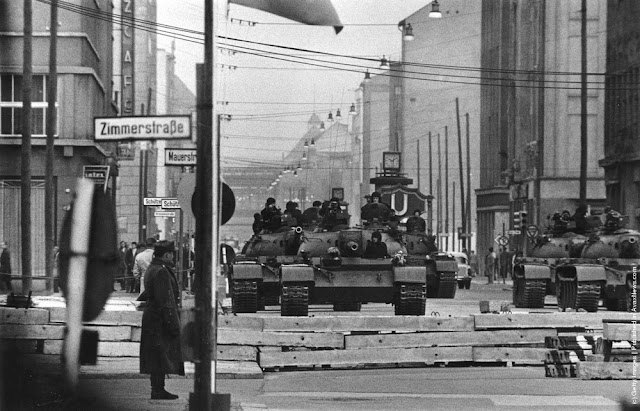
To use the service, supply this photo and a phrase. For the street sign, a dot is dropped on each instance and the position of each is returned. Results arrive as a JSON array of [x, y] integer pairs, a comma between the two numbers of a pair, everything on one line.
[[502, 240], [170, 203], [142, 128], [164, 214], [532, 231], [514, 232], [98, 174], [179, 157], [155, 201]]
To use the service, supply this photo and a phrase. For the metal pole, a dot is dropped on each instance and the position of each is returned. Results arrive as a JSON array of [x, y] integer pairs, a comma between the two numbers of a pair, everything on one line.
[[49, 195], [25, 169], [468, 232], [461, 173], [141, 199], [583, 107], [439, 193], [418, 161], [454, 244], [446, 183], [430, 167]]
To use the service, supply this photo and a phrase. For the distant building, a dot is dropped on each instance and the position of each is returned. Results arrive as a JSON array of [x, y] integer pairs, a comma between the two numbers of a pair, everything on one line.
[[134, 68], [621, 160], [84, 92], [530, 115]]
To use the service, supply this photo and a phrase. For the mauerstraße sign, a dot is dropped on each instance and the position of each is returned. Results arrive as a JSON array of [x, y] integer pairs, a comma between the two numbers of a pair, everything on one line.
[[142, 128]]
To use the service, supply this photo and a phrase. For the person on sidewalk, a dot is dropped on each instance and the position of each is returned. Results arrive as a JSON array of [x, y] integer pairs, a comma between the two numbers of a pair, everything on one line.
[[5, 266], [490, 265], [160, 351], [142, 262]]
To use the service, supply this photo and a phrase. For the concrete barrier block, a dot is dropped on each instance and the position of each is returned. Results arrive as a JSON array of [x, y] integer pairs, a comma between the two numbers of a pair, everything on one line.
[[23, 315]]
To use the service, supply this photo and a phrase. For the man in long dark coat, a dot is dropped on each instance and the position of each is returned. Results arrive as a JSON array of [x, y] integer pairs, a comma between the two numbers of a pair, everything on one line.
[[160, 351], [5, 266]]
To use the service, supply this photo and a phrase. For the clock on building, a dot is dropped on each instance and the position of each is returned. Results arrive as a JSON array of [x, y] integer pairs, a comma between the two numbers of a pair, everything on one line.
[[391, 161]]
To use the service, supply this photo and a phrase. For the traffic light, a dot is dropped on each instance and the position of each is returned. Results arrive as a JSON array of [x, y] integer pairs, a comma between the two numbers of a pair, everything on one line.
[[523, 219], [517, 220]]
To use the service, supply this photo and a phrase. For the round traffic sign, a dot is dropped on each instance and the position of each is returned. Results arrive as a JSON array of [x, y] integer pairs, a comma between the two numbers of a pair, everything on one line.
[[502, 240]]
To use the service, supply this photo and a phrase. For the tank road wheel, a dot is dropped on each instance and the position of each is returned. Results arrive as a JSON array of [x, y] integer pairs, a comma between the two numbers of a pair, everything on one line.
[[294, 301], [518, 291], [410, 299], [588, 295], [533, 293], [447, 285], [245, 296], [567, 292], [351, 306]]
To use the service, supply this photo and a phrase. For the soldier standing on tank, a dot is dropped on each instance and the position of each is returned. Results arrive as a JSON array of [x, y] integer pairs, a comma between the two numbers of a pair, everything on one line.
[[375, 209], [257, 224], [415, 223], [311, 216], [271, 214], [376, 248]]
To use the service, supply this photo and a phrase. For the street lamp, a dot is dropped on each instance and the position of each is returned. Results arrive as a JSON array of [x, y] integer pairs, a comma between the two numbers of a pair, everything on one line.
[[338, 115], [407, 30], [352, 109], [367, 76], [384, 63], [435, 10]]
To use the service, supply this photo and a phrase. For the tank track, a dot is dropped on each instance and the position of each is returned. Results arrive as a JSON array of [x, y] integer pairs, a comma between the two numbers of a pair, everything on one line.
[[447, 285], [350, 306], [617, 304], [245, 296], [410, 299], [567, 293], [588, 295], [295, 301], [518, 291], [533, 293], [272, 300]]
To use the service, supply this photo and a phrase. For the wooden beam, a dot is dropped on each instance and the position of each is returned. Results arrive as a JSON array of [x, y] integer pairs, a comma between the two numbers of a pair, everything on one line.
[[605, 370], [248, 337], [449, 339], [354, 358], [551, 320], [516, 355], [352, 323], [620, 331], [23, 315]]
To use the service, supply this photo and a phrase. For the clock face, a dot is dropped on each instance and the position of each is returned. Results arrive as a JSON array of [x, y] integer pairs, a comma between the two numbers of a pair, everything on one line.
[[391, 160]]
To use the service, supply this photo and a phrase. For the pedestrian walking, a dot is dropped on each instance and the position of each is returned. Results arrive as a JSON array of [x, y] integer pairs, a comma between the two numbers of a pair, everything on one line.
[[160, 351], [142, 262], [490, 265], [5, 266]]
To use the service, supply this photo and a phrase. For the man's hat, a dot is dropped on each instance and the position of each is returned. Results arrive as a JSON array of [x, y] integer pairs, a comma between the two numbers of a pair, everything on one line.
[[162, 247], [376, 194], [317, 203], [150, 241], [271, 200]]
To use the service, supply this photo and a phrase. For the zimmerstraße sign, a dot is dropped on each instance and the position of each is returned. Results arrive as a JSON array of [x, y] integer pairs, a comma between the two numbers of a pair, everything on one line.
[[142, 128]]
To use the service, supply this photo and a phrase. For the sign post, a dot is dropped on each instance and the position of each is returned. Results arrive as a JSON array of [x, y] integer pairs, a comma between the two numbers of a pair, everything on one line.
[[99, 175]]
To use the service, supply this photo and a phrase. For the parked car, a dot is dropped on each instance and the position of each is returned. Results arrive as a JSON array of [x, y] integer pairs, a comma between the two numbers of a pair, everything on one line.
[[464, 269]]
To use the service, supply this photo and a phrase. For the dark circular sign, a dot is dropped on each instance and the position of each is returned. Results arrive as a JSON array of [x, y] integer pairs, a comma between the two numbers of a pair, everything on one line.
[[228, 203]]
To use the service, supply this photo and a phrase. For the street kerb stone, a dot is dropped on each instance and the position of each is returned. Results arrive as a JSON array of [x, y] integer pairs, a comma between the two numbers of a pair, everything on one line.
[[587, 370], [231, 370], [24, 316]]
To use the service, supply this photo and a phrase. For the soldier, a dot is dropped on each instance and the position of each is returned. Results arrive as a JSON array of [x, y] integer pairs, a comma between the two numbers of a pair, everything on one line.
[[376, 248], [334, 217], [415, 223], [271, 215], [375, 209], [257, 223], [311, 216]]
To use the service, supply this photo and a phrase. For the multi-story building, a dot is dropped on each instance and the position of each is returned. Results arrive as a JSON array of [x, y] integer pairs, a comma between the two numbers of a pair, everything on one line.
[[530, 112], [134, 68], [621, 160], [84, 92], [436, 69]]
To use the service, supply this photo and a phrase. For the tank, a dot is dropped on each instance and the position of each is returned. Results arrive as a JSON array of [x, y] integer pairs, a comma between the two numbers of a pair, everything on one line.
[[534, 276], [604, 270], [254, 278], [441, 267], [339, 268]]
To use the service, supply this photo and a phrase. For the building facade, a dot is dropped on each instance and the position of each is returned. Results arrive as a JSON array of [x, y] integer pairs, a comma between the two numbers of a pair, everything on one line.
[[530, 113], [431, 83], [621, 160], [84, 92]]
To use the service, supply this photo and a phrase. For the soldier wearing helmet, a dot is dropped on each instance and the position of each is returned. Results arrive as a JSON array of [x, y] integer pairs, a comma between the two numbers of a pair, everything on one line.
[[271, 215], [376, 248], [376, 209]]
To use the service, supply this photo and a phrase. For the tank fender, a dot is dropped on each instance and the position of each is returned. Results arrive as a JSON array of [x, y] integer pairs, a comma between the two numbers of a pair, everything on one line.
[[536, 272], [414, 275], [247, 271], [297, 273], [446, 266], [590, 273]]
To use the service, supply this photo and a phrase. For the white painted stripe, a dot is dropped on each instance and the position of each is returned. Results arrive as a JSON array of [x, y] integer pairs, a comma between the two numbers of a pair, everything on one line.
[[499, 400]]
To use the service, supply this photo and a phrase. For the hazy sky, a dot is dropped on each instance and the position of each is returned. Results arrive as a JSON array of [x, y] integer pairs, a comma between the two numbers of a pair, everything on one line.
[[287, 92]]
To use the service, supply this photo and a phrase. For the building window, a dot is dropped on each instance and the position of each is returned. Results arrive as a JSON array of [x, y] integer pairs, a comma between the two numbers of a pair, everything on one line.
[[11, 106]]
